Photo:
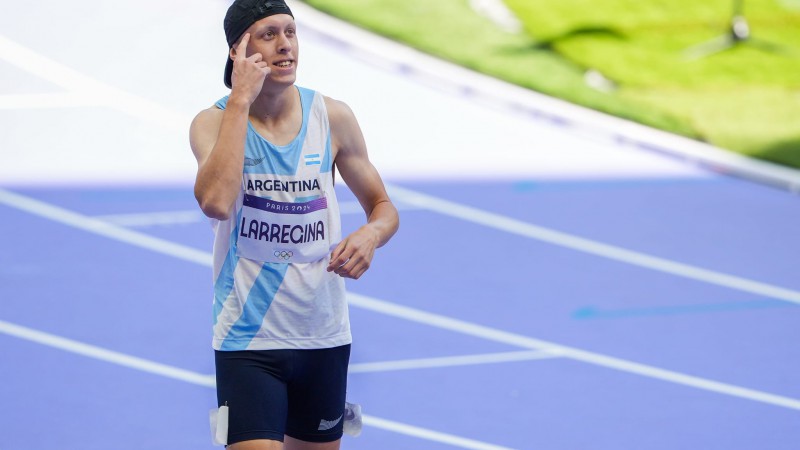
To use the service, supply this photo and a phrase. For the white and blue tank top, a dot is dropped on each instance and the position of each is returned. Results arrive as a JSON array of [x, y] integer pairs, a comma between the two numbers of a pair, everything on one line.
[[271, 286]]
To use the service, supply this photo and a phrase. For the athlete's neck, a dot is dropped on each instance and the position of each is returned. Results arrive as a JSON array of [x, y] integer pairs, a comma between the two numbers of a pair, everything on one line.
[[273, 107]]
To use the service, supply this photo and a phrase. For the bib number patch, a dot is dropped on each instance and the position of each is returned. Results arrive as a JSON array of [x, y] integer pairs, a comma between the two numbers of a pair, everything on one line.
[[282, 232]]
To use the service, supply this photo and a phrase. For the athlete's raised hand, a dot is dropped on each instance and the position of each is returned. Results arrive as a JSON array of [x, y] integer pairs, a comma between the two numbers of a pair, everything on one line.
[[248, 73]]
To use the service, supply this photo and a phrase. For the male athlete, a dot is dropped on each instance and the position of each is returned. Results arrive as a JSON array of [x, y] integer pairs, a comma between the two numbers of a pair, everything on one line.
[[266, 156]]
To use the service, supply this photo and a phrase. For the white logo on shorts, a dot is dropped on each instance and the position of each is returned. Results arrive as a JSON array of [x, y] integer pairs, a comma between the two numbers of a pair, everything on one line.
[[325, 425]]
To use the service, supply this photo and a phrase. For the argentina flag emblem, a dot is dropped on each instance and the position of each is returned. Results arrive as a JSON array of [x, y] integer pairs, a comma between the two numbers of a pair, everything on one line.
[[313, 159]]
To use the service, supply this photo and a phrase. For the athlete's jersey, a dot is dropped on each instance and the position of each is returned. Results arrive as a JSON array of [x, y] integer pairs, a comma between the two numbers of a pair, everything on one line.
[[271, 286]]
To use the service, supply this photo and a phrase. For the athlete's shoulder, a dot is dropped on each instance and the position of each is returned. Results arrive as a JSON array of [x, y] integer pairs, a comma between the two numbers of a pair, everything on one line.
[[207, 118], [334, 104], [204, 129], [339, 113]]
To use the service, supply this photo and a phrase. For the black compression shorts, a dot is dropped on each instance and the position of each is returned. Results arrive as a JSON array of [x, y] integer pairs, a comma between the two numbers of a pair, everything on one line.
[[272, 393]]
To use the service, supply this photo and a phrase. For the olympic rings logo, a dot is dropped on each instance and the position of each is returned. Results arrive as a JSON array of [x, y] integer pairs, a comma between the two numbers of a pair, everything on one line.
[[284, 255]]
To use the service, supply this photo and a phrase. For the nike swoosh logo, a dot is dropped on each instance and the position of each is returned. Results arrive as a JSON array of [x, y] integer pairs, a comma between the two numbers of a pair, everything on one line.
[[325, 425]]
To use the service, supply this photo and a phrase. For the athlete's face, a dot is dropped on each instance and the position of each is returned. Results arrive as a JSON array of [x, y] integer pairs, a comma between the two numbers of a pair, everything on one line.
[[275, 37]]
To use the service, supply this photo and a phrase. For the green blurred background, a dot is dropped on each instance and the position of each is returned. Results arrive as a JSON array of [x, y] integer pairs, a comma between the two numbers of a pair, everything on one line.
[[671, 64]]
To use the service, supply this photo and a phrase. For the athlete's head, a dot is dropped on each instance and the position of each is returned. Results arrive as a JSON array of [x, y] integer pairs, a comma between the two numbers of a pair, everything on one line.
[[241, 15]]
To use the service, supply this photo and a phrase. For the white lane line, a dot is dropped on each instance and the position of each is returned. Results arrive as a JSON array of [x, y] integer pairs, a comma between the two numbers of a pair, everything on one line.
[[460, 326], [106, 355], [79, 221], [154, 218], [453, 361], [188, 376], [520, 228], [422, 433], [183, 252]]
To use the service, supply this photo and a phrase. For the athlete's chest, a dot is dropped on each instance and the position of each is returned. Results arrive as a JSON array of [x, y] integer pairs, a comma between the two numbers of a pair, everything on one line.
[[279, 133]]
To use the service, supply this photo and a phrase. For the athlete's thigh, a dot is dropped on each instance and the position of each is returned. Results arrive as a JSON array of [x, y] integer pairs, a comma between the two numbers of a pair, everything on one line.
[[257, 444], [290, 443]]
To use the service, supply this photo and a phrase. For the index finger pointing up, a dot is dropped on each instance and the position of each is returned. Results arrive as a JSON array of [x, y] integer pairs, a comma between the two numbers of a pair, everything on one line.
[[241, 49]]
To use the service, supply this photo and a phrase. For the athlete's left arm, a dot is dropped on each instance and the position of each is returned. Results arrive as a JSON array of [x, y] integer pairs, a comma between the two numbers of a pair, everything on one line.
[[353, 256]]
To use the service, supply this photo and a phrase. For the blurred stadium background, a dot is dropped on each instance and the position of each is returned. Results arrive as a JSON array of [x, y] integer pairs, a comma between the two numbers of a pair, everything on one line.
[[725, 72]]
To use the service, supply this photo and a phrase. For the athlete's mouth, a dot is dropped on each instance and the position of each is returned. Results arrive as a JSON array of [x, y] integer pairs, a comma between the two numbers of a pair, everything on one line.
[[284, 64]]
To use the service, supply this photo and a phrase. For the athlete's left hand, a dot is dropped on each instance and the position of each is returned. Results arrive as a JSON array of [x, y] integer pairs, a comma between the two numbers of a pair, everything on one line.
[[353, 256]]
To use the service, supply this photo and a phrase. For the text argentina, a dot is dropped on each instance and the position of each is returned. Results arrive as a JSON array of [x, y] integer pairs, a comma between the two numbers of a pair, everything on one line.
[[282, 234], [282, 186]]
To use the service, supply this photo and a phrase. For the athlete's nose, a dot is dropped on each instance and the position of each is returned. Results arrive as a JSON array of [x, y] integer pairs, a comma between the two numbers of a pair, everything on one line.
[[284, 43]]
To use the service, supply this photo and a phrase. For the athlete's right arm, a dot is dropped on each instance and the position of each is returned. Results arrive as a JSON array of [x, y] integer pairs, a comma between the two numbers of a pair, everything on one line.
[[217, 140], [217, 137]]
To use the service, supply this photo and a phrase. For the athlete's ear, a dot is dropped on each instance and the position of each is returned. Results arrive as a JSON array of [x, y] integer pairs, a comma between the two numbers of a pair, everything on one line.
[[232, 53]]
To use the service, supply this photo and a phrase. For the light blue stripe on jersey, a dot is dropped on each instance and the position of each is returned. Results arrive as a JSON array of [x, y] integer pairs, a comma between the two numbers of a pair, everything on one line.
[[255, 308], [224, 283]]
